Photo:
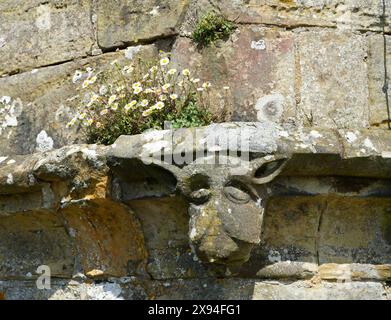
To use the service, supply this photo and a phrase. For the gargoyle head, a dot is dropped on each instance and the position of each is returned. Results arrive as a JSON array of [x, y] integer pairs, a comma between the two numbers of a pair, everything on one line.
[[226, 210], [225, 193]]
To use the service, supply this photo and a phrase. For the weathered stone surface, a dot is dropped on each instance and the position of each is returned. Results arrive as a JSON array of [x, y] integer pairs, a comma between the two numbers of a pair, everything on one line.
[[31, 239], [187, 230], [165, 225], [295, 239], [44, 102], [326, 147], [123, 22], [82, 231], [227, 199], [331, 64], [108, 238], [36, 33], [378, 60], [262, 87], [304, 290], [226, 289], [328, 272], [288, 270], [350, 14], [354, 271], [338, 239], [326, 224]]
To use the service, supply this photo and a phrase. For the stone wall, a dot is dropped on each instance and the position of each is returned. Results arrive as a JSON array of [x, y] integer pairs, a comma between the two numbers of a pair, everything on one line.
[[311, 63], [111, 225], [312, 73]]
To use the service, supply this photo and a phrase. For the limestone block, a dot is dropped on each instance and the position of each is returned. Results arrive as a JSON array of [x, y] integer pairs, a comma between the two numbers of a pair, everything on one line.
[[295, 238], [31, 239], [194, 289], [303, 290], [165, 226], [354, 271], [44, 100], [350, 14], [364, 239], [108, 238], [36, 33], [331, 69], [377, 62], [258, 66], [123, 22]]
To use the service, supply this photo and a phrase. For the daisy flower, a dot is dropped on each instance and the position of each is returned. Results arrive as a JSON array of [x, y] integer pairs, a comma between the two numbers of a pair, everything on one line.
[[166, 86], [114, 107], [98, 125], [103, 112], [149, 90], [147, 112], [94, 98], [82, 115], [85, 84], [120, 88], [206, 85], [71, 123], [137, 90], [162, 97], [164, 62], [186, 72], [174, 96], [195, 80], [93, 79], [136, 85], [144, 103], [112, 99], [130, 105], [159, 105], [171, 72], [103, 90]]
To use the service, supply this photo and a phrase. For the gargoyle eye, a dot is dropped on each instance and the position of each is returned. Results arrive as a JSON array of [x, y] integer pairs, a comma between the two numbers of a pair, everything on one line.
[[237, 195], [199, 189]]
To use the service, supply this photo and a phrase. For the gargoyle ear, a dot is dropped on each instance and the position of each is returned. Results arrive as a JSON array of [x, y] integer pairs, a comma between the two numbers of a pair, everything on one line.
[[266, 169], [137, 179]]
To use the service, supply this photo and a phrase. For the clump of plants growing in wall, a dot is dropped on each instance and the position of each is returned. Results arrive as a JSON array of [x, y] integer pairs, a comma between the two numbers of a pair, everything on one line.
[[129, 99], [211, 27]]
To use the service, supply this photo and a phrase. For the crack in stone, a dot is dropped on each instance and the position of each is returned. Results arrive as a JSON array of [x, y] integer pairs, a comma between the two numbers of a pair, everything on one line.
[[320, 221], [385, 86]]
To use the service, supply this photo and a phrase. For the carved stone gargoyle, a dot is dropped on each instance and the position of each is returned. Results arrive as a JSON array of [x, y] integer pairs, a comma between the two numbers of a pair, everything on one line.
[[228, 193], [226, 211], [225, 208]]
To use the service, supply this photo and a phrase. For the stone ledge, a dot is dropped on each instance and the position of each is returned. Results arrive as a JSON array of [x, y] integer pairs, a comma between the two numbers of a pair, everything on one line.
[[207, 289]]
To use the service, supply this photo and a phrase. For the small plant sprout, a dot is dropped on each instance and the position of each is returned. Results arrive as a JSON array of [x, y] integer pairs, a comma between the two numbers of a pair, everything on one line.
[[211, 27]]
